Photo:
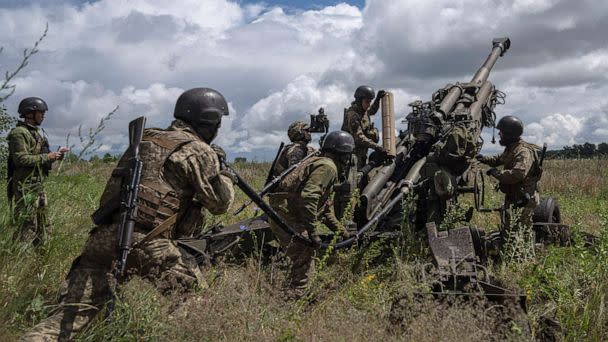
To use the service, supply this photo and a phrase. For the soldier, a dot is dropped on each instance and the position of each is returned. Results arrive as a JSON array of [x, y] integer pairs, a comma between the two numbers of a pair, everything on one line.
[[181, 176], [357, 122], [518, 179], [29, 162], [302, 199], [299, 134]]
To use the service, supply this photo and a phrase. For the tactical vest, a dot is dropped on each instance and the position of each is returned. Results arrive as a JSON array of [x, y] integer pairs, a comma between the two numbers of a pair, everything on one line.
[[157, 200], [293, 183]]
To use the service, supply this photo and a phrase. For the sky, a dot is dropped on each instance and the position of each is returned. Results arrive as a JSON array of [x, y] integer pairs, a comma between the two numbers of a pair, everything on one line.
[[278, 61]]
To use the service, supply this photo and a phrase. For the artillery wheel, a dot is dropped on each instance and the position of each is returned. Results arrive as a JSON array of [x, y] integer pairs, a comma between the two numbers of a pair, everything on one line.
[[547, 211], [479, 194]]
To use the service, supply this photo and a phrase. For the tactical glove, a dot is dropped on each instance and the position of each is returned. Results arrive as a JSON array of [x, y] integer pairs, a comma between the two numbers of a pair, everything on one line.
[[221, 155], [316, 240], [381, 94], [479, 158], [230, 174], [492, 172]]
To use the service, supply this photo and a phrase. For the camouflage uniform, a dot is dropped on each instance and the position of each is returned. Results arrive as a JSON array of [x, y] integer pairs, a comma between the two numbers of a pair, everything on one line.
[[357, 122], [302, 198], [442, 172], [518, 179], [28, 165], [181, 175], [291, 155]]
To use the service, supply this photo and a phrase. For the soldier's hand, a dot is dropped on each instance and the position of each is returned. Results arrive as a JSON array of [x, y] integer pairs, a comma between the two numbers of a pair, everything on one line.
[[230, 174], [54, 156], [492, 172], [479, 158], [316, 240], [380, 149], [347, 234], [221, 155], [381, 94], [63, 151]]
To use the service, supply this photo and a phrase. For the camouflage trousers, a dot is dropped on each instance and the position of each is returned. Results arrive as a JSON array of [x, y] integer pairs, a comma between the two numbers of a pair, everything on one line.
[[30, 214], [300, 255], [89, 284], [361, 155], [523, 215]]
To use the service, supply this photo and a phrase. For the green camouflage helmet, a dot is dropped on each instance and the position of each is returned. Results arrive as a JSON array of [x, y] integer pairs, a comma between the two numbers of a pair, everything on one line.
[[295, 132]]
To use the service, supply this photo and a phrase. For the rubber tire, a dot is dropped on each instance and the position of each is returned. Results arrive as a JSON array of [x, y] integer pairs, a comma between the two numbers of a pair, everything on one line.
[[547, 211]]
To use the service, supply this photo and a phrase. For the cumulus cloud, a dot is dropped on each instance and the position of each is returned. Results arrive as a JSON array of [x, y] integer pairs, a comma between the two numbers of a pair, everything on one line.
[[276, 65]]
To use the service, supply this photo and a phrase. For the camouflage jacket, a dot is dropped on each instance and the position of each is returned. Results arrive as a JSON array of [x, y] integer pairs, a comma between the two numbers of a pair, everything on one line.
[[291, 155], [306, 192], [521, 171], [28, 154], [357, 122], [189, 180]]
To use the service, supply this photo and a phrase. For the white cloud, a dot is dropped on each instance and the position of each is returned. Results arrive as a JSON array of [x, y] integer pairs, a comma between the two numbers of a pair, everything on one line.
[[276, 65]]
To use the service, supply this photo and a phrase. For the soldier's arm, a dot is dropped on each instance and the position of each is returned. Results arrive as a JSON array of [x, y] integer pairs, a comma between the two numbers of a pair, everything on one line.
[[329, 218], [523, 162], [198, 165], [18, 147], [373, 109], [319, 180], [357, 132], [492, 160]]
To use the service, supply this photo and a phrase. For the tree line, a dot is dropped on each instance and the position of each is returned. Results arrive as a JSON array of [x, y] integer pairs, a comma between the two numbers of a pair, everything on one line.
[[582, 151]]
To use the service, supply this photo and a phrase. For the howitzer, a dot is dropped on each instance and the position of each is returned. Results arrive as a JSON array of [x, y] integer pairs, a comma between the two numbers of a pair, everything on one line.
[[464, 106], [128, 204]]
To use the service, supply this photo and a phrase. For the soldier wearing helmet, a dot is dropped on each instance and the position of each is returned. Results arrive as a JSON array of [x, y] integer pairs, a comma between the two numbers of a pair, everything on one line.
[[299, 135], [302, 199], [29, 162], [181, 176], [521, 171], [357, 122]]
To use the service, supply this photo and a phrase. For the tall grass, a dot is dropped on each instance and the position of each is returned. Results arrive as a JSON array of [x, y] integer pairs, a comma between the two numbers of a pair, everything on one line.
[[352, 295]]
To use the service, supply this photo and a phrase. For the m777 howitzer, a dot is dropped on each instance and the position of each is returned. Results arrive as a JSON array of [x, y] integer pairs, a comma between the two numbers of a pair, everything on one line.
[[463, 107]]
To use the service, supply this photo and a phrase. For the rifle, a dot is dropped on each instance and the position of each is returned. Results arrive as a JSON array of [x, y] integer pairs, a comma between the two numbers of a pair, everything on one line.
[[274, 182], [274, 163], [128, 204]]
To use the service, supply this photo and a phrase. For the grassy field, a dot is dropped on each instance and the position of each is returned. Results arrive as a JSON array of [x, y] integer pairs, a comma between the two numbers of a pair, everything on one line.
[[351, 296]]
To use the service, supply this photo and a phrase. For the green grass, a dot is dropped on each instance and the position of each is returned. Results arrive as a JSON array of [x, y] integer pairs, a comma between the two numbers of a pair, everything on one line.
[[352, 292]]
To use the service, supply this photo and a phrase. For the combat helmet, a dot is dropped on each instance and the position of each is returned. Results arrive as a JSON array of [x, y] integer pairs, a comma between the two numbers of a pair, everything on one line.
[[511, 128], [201, 107], [364, 92], [338, 142], [295, 132], [31, 105]]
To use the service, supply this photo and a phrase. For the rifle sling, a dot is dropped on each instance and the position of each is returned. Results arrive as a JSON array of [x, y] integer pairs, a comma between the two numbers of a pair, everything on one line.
[[161, 228]]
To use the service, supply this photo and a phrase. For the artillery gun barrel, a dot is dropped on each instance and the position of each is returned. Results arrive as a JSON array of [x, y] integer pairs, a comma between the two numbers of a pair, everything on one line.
[[482, 98], [499, 47]]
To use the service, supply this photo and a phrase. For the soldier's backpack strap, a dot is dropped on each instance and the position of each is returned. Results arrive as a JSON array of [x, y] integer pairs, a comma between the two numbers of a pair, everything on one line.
[[158, 230]]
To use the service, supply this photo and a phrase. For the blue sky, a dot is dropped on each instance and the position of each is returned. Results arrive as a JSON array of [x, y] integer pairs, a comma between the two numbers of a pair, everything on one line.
[[278, 61]]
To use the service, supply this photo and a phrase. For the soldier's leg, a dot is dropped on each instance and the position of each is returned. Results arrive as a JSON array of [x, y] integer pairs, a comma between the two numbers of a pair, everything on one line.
[[86, 291], [167, 266], [299, 254], [42, 220], [24, 214]]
